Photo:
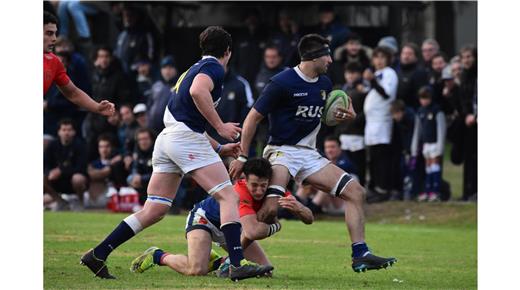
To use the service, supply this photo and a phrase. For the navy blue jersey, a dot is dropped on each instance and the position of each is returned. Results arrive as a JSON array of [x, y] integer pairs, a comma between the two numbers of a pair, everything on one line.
[[428, 119], [294, 105], [181, 105]]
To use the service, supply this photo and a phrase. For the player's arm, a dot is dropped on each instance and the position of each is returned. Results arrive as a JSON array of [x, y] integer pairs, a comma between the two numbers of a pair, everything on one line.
[[200, 91], [255, 230], [230, 149], [296, 208], [80, 98]]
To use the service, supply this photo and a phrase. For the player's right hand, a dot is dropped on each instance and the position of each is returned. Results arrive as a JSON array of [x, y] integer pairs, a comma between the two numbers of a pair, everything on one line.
[[106, 108], [229, 131], [235, 169]]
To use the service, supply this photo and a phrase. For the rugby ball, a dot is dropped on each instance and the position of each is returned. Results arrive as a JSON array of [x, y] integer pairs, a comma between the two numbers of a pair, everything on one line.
[[335, 99]]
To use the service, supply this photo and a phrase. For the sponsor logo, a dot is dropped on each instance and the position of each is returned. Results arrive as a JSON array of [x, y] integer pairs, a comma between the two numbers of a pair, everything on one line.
[[301, 94], [309, 111]]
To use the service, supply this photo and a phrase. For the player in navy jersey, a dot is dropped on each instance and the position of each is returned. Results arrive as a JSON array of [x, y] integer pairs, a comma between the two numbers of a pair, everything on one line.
[[293, 101], [183, 147]]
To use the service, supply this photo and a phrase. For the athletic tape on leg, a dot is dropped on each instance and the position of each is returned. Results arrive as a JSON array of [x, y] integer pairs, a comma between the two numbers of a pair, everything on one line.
[[275, 190], [133, 223], [343, 181], [220, 187], [160, 199]]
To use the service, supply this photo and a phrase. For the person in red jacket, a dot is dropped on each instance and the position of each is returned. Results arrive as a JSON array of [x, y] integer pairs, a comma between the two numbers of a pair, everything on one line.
[[54, 71]]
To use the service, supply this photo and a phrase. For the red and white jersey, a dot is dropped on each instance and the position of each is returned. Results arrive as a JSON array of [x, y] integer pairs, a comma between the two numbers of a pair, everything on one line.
[[248, 205], [53, 71]]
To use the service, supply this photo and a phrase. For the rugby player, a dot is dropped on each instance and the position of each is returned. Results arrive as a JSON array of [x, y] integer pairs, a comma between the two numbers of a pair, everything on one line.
[[54, 71], [294, 101], [183, 147], [203, 223]]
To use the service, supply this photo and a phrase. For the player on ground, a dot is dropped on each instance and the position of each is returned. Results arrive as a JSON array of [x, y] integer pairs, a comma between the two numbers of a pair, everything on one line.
[[54, 71], [294, 101], [203, 223], [182, 147]]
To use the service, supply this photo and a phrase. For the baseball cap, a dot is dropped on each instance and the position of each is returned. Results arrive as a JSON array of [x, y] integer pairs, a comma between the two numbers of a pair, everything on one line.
[[167, 60], [140, 108], [389, 42]]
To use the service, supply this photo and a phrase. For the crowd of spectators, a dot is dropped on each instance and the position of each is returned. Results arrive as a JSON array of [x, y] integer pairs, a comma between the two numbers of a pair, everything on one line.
[[409, 99]]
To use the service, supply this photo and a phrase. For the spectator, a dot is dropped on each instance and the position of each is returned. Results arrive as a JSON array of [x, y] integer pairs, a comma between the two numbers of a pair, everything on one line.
[[237, 99], [247, 55], [331, 27], [468, 99], [429, 48], [286, 39], [352, 133], [439, 62], [56, 105], [411, 74], [378, 128], [430, 131], [391, 43], [450, 93], [126, 132], [351, 51], [109, 126], [402, 176], [456, 68], [144, 80], [77, 10], [140, 115], [161, 94], [106, 173], [135, 42], [142, 163], [271, 66], [64, 165]]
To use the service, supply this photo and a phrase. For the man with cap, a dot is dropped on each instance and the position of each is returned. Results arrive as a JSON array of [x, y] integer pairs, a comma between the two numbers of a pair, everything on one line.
[[293, 101], [160, 92], [391, 43], [140, 115]]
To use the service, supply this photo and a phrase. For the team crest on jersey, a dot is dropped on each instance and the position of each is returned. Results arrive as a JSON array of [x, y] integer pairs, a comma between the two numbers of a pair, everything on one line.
[[323, 94]]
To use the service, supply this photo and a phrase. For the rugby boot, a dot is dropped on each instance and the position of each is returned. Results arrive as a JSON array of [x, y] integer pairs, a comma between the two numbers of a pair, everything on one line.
[[97, 266], [371, 262]]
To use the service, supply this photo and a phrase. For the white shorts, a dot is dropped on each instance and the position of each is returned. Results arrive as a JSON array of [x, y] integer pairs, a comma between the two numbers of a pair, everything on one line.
[[431, 150], [301, 161], [182, 152], [197, 220]]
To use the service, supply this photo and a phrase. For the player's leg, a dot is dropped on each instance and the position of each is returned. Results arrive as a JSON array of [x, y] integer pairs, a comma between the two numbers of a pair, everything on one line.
[[214, 179], [340, 184], [277, 187], [161, 192], [255, 253]]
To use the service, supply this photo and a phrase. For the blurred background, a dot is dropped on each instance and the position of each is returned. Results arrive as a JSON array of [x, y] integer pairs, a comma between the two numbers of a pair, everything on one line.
[[132, 53]]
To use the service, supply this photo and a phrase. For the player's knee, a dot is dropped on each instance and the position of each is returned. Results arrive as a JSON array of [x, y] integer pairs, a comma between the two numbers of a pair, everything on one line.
[[154, 214], [196, 270], [354, 192]]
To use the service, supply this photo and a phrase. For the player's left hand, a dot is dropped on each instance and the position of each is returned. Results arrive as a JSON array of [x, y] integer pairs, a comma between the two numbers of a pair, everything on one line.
[[230, 149], [106, 108], [342, 115]]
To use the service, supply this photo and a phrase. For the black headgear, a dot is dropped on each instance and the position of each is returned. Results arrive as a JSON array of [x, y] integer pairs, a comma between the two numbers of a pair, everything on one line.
[[325, 50]]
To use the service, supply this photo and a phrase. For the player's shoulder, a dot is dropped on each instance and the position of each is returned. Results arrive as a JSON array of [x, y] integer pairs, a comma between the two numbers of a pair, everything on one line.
[[241, 187], [285, 76], [51, 57]]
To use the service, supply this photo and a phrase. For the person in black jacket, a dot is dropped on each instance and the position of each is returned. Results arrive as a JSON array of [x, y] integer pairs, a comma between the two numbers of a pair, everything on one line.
[[161, 94], [351, 51], [65, 165], [468, 99], [411, 74], [352, 133], [141, 170]]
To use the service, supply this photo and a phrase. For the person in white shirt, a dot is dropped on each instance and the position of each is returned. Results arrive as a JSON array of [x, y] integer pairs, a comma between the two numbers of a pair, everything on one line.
[[378, 127]]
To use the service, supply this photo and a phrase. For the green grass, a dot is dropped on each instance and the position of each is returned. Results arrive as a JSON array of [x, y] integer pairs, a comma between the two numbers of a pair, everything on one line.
[[452, 173], [433, 254]]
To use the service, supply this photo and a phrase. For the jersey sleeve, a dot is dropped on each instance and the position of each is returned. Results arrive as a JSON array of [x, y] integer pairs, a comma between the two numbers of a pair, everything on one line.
[[271, 96], [245, 200], [214, 71], [60, 78]]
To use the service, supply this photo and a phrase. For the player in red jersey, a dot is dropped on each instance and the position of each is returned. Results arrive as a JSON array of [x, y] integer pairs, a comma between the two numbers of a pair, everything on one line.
[[203, 227], [54, 71]]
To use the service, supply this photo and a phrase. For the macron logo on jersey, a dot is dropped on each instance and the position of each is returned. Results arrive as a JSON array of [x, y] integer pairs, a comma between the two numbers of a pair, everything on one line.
[[300, 94], [309, 111]]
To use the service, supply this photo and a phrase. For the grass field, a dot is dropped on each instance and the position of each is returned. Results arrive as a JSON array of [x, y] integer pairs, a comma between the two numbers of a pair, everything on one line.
[[436, 246]]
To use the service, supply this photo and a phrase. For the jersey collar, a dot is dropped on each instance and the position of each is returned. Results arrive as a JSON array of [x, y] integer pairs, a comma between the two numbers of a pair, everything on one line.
[[304, 77]]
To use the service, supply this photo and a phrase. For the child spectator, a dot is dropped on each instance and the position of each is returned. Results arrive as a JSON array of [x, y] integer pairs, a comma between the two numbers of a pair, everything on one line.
[[430, 131], [404, 118], [352, 133]]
